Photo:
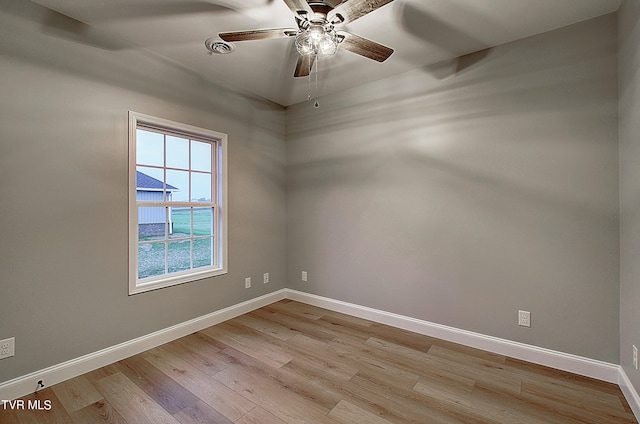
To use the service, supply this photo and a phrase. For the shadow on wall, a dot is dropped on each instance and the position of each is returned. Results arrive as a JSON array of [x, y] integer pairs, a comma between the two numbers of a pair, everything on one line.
[[433, 31], [47, 38], [491, 187], [498, 112]]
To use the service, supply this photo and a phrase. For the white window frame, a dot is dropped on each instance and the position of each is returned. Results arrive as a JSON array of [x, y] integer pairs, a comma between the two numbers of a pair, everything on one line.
[[219, 141]]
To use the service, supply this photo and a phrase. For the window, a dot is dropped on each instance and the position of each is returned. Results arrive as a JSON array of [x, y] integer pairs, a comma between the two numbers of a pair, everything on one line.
[[177, 200]]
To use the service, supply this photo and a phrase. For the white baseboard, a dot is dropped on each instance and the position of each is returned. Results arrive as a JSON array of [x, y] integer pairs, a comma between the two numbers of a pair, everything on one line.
[[630, 393], [563, 361], [604, 371], [26, 384]]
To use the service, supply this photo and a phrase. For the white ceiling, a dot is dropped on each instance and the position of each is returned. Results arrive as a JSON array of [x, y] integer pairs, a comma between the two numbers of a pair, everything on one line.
[[422, 33]]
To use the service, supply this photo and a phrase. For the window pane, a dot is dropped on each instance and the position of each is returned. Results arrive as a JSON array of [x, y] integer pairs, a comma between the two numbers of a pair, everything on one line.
[[177, 152], [200, 156], [151, 223], [151, 259], [179, 255], [202, 252], [177, 186], [149, 184], [200, 187], [181, 219], [149, 148], [202, 221]]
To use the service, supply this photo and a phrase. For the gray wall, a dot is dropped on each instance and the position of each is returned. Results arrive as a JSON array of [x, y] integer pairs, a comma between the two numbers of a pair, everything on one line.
[[63, 185], [629, 92], [459, 198], [456, 197]]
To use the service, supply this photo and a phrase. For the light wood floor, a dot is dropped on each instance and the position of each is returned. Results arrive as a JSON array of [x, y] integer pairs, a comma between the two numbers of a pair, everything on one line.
[[293, 363]]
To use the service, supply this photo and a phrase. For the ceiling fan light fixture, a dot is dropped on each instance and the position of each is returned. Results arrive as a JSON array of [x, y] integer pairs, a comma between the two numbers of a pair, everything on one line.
[[317, 39]]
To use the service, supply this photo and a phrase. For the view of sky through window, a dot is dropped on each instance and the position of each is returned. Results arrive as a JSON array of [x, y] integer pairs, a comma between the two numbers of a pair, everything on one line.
[[179, 162]]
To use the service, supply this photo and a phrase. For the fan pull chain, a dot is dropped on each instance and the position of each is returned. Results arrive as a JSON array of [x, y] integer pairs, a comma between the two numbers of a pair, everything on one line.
[[317, 60], [317, 104], [309, 85]]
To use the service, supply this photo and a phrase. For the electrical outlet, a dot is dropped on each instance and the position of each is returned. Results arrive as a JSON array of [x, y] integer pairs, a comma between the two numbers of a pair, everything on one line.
[[635, 357], [524, 318], [304, 275], [7, 348], [265, 278], [247, 283]]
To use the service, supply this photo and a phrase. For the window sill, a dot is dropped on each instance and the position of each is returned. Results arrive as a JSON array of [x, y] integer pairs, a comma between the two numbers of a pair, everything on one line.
[[168, 281]]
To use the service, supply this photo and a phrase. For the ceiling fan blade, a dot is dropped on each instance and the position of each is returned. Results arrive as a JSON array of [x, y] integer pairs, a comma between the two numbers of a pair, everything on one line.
[[303, 67], [354, 9], [257, 34], [364, 47], [297, 6]]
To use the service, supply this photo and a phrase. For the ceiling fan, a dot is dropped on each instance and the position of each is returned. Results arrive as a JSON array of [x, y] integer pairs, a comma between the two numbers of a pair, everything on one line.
[[316, 35]]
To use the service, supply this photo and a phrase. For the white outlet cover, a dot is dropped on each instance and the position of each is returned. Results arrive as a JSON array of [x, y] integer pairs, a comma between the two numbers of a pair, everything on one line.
[[266, 277], [524, 318], [304, 275], [635, 357], [247, 282], [7, 348]]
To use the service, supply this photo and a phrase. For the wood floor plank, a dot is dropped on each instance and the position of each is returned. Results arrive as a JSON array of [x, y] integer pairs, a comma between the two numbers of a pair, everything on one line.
[[201, 413], [283, 377], [201, 351], [372, 365], [43, 407], [259, 416], [466, 357], [76, 393], [101, 373], [273, 396], [347, 413], [573, 394], [271, 328], [498, 404], [463, 399], [343, 328], [294, 363], [164, 390], [445, 382], [131, 402], [456, 393], [98, 412], [8, 415], [294, 323], [430, 366], [338, 317], [249, 343], [586, 408], [422, 407], [536, 371], [302, 310], [211, 391], [323, 356], [368, 397], [401, 337], [490, 373]]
